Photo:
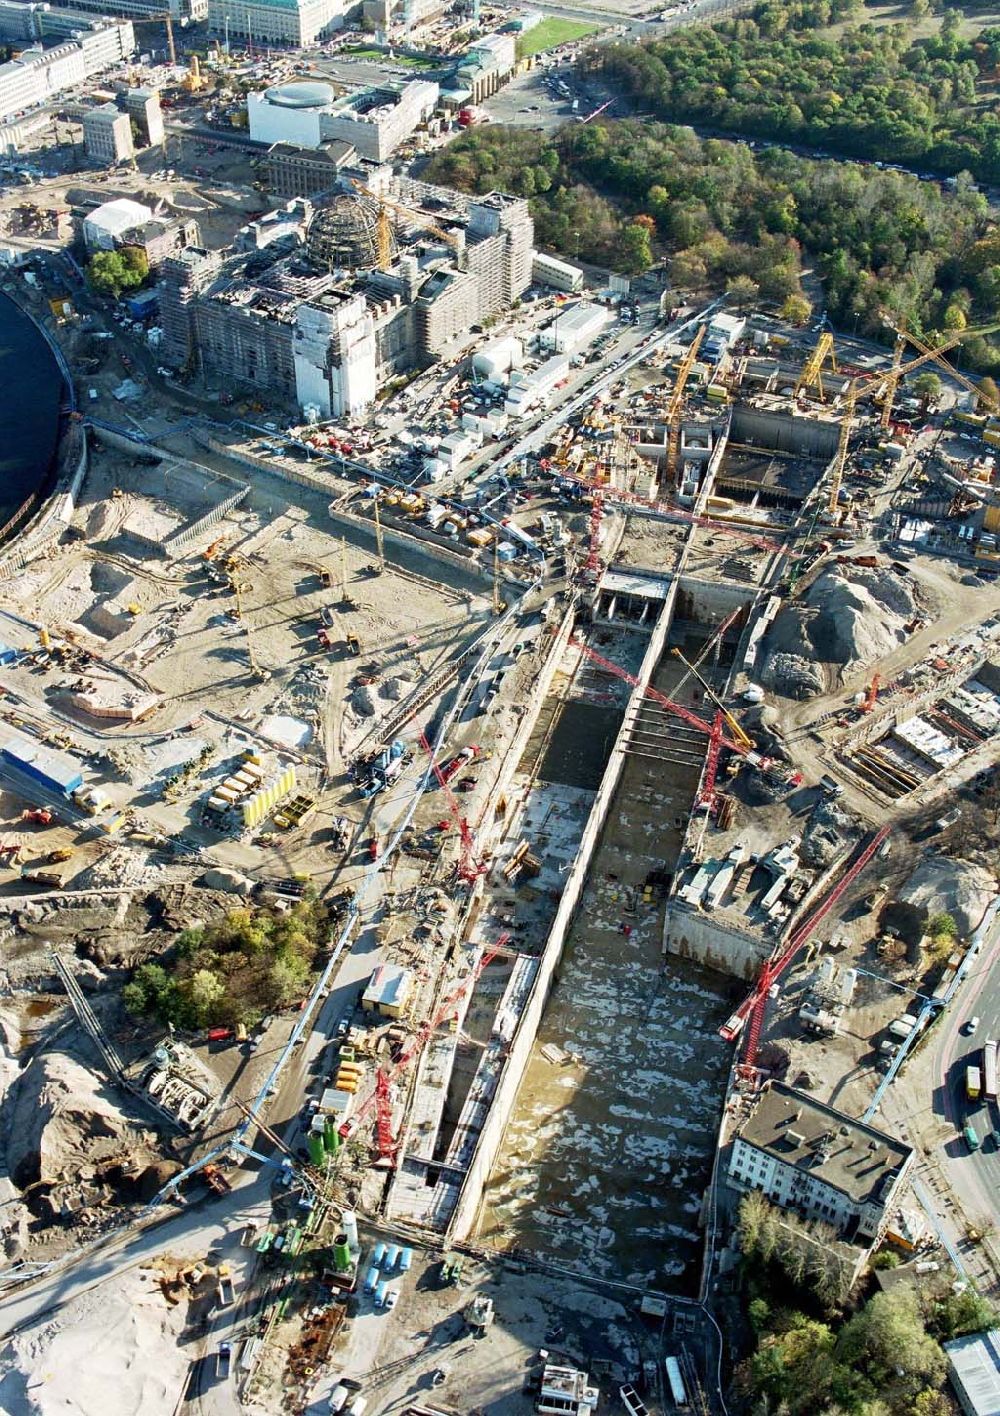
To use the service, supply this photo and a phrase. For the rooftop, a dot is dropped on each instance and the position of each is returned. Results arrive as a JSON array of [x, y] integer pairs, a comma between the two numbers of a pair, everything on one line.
[[848, 1155], [975, 1371], [388, 986]]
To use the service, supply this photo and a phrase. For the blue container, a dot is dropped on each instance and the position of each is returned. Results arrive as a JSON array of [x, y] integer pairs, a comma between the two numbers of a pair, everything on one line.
[[405, 1260], [56, 772], [371, 1279], [379, 1254], [380, 1293], [391, 1258]]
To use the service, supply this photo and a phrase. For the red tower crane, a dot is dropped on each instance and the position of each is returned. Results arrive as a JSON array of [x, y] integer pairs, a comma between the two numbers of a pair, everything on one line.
[[755, 1005], [469, 867], [381, 1097]]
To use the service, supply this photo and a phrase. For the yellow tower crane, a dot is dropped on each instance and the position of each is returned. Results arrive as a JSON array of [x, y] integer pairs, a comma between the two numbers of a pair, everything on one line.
[[812, 370], [892, 383], [676, 403], [163, 17], [840, 457], [383, 226], [881, 388], [936, 356]]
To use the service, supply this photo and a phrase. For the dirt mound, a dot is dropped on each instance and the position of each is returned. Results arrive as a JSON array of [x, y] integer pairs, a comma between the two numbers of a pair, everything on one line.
[[63, 1123], [849, 617], [940, 885]]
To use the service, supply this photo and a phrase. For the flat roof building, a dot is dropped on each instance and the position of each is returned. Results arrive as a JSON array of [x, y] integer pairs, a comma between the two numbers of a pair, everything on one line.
[[973, 1362], [808, 1157], [107, 134], [309, 113], [143, 105], [294, 171], [388, 990], [293, 22], [974, 1369], [556, 274]]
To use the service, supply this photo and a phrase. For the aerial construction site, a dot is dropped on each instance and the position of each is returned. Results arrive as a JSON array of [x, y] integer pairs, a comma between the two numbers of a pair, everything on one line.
[[436, 839]]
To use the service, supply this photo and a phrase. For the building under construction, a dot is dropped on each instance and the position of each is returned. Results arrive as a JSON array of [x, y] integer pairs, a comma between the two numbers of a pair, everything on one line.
[[371, 284]]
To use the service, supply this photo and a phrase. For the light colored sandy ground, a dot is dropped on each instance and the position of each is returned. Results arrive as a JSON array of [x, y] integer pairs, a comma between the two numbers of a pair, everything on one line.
[[112, 1350]]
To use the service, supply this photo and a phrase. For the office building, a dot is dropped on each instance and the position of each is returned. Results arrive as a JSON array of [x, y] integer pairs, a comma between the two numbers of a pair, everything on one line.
[[295, 23], [143, 106], [107, 134], [38, 75], [181, 11], [822, 1164], [305, 172], [308, 114]]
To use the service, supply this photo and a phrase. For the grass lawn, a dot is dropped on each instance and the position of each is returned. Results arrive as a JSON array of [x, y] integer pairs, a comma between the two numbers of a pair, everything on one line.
[[552, 32], [379, 56]]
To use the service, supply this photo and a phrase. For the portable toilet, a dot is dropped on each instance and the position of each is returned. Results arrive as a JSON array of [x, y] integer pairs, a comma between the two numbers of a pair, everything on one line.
[[392, 1258], [380, 1292], [371, 1279], [405, 1260], [379, 1254]]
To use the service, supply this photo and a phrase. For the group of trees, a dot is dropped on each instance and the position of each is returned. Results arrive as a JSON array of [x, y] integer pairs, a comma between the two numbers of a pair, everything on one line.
[[232, 971], [865, 92], [112, 272], [882, 1359], [620, 194]]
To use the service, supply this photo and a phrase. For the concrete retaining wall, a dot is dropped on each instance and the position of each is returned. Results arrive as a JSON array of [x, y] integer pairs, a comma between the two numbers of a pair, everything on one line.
[[695, 935], [467, 1209], [784, 432]]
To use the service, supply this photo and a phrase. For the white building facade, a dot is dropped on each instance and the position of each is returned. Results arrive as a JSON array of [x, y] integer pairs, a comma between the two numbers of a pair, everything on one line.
[[335, 356]]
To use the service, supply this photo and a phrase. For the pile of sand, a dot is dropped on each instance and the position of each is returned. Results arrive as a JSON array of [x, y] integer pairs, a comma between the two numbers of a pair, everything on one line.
[[63, 1121], [114, 1348], [940, 885], [849, 617]]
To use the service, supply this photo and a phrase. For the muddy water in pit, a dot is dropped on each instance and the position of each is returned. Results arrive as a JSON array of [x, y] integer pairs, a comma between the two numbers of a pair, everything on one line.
[[608, 1151]]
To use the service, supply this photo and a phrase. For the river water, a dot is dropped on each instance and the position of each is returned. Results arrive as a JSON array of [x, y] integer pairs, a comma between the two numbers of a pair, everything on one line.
[[30, 394]]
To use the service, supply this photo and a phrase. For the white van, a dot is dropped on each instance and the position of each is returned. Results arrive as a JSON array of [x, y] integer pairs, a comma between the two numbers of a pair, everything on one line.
[[358, 1406], [339, 1398]]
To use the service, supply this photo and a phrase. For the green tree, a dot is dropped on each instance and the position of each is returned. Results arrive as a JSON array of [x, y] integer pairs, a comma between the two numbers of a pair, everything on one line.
[[919, 10], [927, 387], [942, 926], [205, 992], [989, 392], [796, 310], [743, 292], [112, 272], [635, 250], [888, 1340], [954, 1314]]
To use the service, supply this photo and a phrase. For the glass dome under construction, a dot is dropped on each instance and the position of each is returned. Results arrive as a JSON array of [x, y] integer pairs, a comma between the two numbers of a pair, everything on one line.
[[305, 93]]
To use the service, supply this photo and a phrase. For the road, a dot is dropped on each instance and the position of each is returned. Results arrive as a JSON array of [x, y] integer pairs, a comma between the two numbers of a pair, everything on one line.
[[974, 1176]]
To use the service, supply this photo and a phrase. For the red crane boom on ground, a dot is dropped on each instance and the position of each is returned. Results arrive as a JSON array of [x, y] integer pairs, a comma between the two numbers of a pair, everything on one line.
[[707, 797], [755, 758], [469, 867], [667, 510], [381, 1097], [755, 1005]]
